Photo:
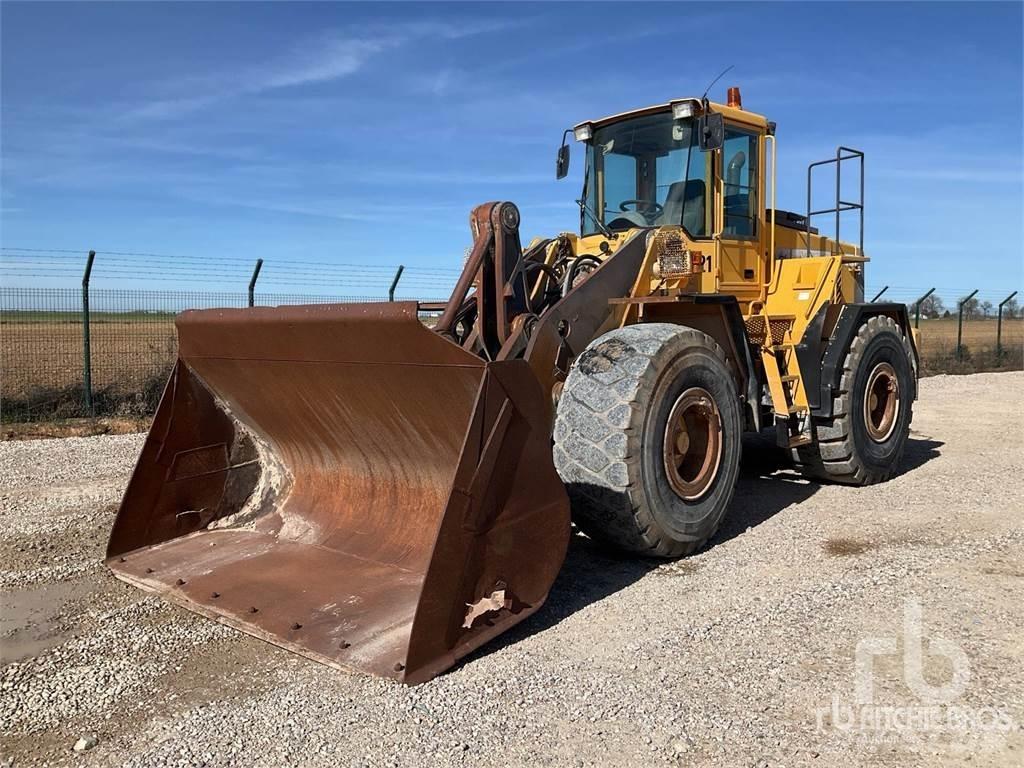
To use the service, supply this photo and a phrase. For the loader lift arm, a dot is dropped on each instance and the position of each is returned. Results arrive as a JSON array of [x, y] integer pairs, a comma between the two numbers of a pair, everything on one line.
[[500, 320]]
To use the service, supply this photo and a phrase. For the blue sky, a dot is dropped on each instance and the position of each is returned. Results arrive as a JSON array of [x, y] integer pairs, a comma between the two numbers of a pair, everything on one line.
[[364, 133]]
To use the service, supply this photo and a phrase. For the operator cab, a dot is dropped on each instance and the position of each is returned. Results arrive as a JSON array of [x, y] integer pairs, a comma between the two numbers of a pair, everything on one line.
[[652, 168]]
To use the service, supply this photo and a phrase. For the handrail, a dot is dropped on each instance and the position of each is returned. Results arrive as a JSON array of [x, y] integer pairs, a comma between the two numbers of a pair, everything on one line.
[[841, 205]]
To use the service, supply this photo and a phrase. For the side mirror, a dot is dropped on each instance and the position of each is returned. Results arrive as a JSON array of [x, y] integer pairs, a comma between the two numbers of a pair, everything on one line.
[[562, 163], [712, 131]]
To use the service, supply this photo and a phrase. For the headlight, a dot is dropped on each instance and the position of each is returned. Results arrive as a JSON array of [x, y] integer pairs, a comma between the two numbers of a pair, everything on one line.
[[583, 132]]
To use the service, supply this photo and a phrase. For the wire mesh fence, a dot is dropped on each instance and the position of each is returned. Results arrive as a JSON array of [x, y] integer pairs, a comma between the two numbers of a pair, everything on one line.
[[97, 350], [106, 348], [56, 363]]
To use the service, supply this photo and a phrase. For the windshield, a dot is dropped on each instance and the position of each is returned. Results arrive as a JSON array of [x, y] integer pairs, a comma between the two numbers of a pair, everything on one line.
[[635, 176]]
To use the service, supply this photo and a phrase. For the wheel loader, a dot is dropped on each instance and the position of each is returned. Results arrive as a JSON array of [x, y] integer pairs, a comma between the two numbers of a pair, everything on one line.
[[383, 496]]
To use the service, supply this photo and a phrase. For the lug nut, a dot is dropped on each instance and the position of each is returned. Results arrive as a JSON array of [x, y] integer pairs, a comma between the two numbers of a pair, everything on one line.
[[253, 609], [296, 625]]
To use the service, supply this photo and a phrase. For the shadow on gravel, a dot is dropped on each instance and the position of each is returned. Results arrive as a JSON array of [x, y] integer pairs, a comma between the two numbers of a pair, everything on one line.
[[767, 485], [919, 451], [590, 573]]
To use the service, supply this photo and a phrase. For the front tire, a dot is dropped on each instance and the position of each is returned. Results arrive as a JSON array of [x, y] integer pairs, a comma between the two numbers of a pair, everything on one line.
[[863, 442], [648, 438]]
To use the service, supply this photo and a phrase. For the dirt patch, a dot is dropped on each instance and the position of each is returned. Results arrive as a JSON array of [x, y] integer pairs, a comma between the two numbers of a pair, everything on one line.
[[35, 618], [1003, 571], [843, 547]]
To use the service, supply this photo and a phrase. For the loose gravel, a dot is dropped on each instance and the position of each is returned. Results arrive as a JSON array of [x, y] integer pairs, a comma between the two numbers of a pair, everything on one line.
[[733, 657]]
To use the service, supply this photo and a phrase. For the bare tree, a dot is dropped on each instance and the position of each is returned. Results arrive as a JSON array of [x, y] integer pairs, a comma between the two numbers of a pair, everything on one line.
[[932, 307], [1012, 308], [970, 307], [986, 308]]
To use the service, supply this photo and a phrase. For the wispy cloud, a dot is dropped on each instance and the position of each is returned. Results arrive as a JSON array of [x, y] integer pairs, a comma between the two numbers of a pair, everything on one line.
[[331, 56], [336, 208], [402, 176]]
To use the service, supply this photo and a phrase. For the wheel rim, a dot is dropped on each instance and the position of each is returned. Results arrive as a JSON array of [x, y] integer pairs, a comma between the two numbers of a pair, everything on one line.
[[693, 443], [881, 402]]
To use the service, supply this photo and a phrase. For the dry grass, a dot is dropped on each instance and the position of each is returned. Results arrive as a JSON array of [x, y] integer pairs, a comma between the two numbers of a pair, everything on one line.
[[41, 368], [938, 346], [49, 355], [76, 428]]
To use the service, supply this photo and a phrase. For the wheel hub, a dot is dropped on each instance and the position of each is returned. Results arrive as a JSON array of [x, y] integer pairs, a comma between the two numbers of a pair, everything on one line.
[[881, 402], [693, 443]]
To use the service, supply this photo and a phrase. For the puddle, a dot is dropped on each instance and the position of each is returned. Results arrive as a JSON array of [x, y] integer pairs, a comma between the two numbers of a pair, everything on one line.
[[31, 618]]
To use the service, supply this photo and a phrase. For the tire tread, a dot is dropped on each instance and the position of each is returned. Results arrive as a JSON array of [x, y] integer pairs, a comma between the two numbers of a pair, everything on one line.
[[598, 415]]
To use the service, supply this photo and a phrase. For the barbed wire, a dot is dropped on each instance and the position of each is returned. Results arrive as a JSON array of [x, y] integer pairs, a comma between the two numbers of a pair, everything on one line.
[[64, 253], [220, 270]]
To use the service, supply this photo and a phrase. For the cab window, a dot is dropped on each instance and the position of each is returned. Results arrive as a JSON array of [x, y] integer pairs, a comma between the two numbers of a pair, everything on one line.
[[646, 172], [739, 175]]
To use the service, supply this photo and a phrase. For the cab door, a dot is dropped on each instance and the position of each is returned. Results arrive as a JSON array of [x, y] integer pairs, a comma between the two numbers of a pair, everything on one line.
[[740, 212]]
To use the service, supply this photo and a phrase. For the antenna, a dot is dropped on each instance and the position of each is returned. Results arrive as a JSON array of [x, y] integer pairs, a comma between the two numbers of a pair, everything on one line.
[[706, 90]]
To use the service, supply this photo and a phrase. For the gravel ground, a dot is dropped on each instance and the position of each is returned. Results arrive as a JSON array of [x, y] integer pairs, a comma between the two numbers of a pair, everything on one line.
[[742, 655]]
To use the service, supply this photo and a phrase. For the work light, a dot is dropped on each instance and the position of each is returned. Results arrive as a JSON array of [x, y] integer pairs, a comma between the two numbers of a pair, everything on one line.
[[583, 132], [684, 108]]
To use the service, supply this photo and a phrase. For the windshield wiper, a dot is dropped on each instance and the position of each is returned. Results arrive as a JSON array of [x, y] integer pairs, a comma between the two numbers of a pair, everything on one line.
[[604, 230]]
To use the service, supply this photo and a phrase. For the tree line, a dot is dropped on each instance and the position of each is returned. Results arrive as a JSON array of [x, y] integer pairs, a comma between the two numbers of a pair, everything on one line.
[[934, 306]]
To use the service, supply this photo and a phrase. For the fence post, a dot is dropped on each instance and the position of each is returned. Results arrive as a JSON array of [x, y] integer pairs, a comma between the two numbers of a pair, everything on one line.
[[999, 327], [252, 281], [86, 352], [394, 283], [960, 323], [917, 308], [879, 294]]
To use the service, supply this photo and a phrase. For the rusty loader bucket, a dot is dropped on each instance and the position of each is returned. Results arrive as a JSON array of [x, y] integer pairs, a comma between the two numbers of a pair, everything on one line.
[[343, 482]]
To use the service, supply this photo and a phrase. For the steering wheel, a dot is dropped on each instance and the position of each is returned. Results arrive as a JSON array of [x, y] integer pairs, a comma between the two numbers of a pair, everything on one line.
[[646, 208]]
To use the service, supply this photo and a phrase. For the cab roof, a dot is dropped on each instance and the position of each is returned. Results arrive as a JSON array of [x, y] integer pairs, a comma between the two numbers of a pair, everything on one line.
[[734, 114]]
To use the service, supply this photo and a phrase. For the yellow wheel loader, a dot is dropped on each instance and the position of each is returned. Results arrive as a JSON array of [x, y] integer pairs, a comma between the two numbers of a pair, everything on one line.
[[351, 484]]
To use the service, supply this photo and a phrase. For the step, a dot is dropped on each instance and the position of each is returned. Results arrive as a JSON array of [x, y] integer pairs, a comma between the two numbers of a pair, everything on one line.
[[788, 410], [795, 441]]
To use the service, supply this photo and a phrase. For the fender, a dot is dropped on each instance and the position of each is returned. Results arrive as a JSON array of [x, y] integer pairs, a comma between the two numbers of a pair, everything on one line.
[[822, 372]]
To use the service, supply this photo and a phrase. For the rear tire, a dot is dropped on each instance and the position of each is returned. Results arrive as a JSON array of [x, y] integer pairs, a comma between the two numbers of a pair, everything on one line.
[[648, 438], [863, 442]]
